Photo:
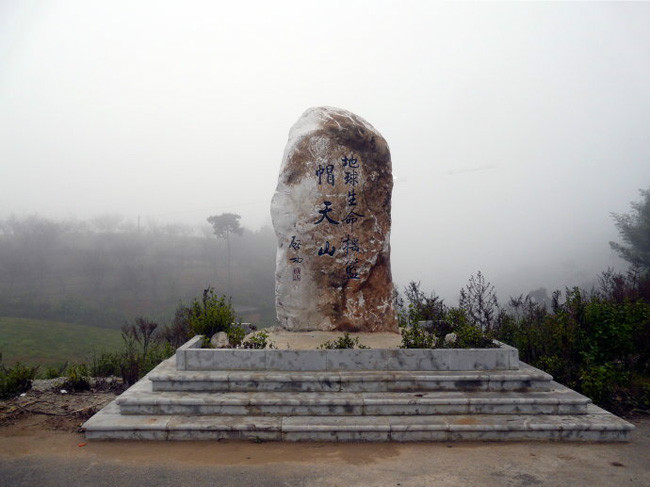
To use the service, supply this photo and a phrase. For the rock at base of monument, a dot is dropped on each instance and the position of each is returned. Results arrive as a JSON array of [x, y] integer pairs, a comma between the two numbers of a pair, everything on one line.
[[220, 340], [331, 214]]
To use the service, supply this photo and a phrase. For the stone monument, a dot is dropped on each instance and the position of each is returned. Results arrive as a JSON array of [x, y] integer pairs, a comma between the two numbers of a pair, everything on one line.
[[331, 214]]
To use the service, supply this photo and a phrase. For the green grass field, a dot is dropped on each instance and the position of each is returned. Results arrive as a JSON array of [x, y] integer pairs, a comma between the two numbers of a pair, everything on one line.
[[52, 342]]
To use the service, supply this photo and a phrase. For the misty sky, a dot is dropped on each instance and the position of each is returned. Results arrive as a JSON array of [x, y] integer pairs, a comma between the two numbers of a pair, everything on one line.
[[515, 128]]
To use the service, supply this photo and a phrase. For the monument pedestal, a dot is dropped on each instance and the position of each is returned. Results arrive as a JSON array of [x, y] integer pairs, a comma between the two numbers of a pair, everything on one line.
[[351, 395]]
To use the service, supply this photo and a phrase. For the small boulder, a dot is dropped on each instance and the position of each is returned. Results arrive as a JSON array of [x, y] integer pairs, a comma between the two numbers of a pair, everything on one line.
[[450, 338], [220, 340]]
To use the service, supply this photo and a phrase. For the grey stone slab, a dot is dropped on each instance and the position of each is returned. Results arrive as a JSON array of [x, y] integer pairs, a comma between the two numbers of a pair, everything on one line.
[[357, 359], [593, 427], [419, 359], [194, 342], [364, 403], [203, 423], [180, 360], [431, 435], [307, 360], [345, 381], [336, 436], [151, 435], [504, 357], [477, 359], [110, 420], [216, 435], [333, 428], [225, 359], [175, 385]]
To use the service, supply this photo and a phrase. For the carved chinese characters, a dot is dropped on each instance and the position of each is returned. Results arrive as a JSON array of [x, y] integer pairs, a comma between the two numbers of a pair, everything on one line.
[[331, 214]]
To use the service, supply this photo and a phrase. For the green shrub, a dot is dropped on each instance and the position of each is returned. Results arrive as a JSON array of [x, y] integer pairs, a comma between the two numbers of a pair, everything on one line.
[[470, 336], [597, 343], [77, 378], [236, 334], [421, 307], [441, 320], [457, 317], [417, 337], [211, 314], [344, 342], [53, 372], [105, 364], [16, 379], [600, 381], [611, 330], [258, 341]]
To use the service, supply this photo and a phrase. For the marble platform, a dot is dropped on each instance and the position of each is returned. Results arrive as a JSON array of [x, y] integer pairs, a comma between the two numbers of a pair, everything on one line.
[[334, 397]]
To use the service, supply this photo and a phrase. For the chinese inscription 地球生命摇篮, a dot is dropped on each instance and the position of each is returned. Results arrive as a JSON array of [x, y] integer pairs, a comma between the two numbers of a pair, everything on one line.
[[350, 246]]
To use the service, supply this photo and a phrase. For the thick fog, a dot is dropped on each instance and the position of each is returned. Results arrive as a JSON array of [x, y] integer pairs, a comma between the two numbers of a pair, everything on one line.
[[515, 128]]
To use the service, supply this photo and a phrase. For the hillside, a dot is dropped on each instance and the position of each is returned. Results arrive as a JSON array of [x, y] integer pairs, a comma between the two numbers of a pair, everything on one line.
[[46, 342]]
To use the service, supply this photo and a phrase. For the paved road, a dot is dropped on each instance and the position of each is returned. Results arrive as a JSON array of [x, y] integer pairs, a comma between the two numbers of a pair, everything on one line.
[[50, 458]]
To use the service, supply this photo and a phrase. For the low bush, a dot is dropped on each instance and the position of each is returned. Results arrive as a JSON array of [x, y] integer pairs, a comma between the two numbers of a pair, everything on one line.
[[77, 378], [469, 336], [236, 334], [426, 321], [344, 342], [106, 364], [53, 372], [16, 379], [596, 343], [211, 314], [258, 341], [415, 336]]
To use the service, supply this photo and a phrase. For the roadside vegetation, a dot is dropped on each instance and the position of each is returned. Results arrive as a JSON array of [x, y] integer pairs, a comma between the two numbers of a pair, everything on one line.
[[144, 344], [596, 341]]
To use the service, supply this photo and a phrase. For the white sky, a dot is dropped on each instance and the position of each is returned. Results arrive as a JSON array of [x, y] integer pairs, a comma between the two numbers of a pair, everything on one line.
[[515, 128]]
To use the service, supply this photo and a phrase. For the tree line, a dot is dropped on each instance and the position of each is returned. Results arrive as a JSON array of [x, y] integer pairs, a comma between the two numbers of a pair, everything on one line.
[[106, 271]]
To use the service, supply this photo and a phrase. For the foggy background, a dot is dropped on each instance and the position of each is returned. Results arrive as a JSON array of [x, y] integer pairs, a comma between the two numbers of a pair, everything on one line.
[[515, 129]]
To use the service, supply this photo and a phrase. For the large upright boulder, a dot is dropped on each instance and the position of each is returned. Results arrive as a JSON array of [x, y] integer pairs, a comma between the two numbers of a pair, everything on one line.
[[331, 214]]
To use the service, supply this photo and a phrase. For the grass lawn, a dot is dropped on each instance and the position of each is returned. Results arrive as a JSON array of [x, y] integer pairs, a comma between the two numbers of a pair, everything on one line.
[[52, 342]]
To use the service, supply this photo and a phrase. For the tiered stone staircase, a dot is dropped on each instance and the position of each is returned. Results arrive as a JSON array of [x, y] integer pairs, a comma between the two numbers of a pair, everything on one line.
[[368, 395]]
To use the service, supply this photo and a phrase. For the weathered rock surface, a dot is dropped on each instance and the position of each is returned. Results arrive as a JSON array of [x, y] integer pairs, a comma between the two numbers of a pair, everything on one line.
[[331, 214], [220, 340], [450, 338]]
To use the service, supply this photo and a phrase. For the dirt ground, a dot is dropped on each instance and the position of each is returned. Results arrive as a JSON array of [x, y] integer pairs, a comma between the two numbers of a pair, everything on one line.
[[284, 339], [49, 449]]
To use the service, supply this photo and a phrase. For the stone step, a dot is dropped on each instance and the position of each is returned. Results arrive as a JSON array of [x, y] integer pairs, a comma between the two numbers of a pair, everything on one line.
[[596, 425], [558, 401], [167, 378], [191, 356]]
